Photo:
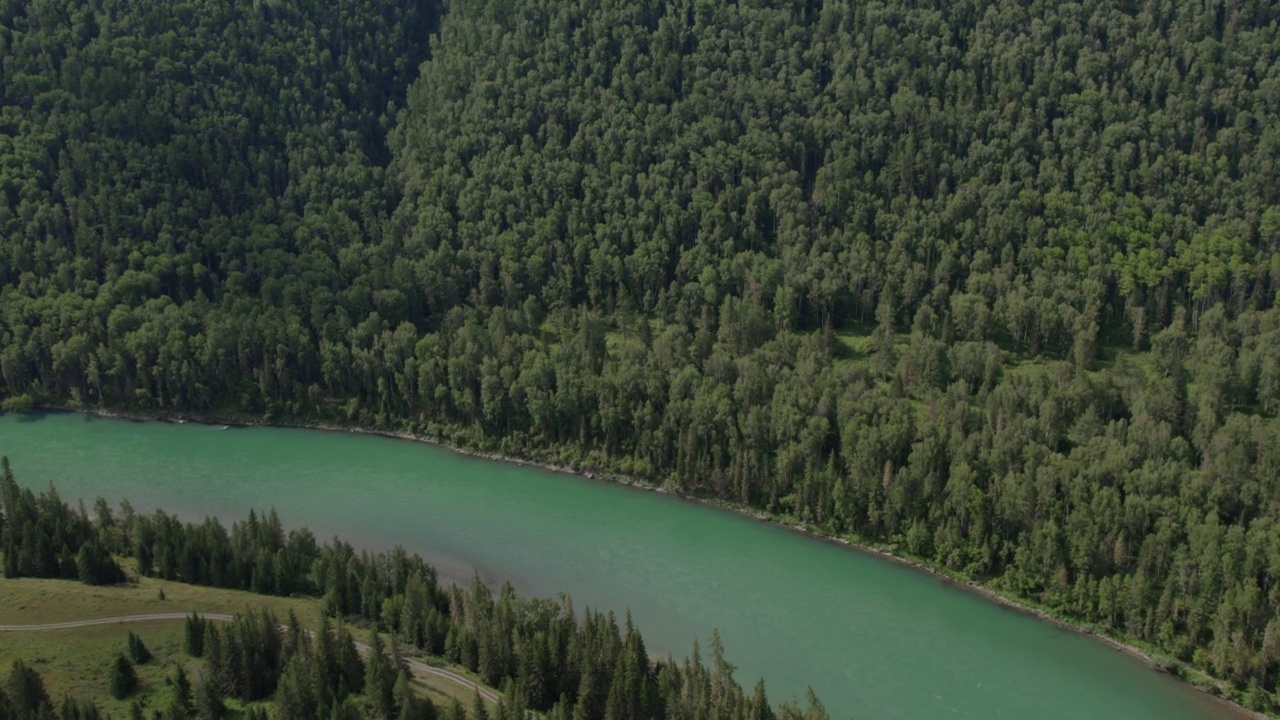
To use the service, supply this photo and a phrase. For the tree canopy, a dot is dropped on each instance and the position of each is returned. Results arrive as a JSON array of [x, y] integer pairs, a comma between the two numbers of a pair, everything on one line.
[[991, 283]]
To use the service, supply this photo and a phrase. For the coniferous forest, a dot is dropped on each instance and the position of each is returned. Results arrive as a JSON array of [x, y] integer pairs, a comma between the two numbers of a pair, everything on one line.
[[993, 284]]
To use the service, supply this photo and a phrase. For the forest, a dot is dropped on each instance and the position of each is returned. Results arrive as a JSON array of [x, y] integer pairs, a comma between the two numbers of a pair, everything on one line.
[[546, 656], [991, 285]]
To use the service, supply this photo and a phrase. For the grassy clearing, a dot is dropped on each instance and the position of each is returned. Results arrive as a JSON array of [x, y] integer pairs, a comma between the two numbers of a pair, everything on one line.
[[29, 601], [443, 692], [76, 661]]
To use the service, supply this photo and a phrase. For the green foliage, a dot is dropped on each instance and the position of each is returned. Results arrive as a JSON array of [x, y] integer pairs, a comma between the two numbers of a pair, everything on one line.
[[182, 693], [380, 678], [96, 566], [43, 537], [209, 703], [244, 659], [124, 679], [25, 695], [18, 403], [194, 631], [548, 657], [618, 236], [76, 709], [136, 650]]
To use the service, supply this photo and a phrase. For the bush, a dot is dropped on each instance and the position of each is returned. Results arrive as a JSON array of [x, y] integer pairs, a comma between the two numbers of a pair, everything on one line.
[[17, 403]]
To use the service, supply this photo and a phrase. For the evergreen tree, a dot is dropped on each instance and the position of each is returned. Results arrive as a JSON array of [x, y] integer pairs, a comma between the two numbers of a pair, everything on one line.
[[76, 709], [193, 635], [10, 558], [457, 712], [26, 693], [137, 651], [478, 709], [379, 678], [408, 705], [123, 678], [208, 700], [182, 695]]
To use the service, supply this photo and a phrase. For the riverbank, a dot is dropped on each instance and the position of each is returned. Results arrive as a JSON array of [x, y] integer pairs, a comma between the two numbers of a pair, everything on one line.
[[228, 442]]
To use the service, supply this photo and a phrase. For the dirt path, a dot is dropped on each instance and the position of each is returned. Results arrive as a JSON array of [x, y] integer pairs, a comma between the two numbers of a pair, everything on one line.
[[414, 665]]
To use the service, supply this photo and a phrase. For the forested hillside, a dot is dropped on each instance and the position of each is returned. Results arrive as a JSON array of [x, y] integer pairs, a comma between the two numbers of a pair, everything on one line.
[[993, 283]]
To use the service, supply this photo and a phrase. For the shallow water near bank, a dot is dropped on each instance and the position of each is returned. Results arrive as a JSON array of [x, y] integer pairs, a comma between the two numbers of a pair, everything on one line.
[[875, 639]]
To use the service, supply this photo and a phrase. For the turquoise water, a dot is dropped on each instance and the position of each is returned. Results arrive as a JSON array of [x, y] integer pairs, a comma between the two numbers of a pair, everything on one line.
[[876, 640]]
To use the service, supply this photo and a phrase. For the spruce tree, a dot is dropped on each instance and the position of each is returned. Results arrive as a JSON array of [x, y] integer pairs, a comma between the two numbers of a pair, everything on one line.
[[75, 709], [193, 640], [456, 711], [209, 705], [124, 680], [182, 696], [10, 558], [26, 692], [347, 660], [67, 569], [379, 678], [408, 705], [138, 651], [46, 558], [478, 710]]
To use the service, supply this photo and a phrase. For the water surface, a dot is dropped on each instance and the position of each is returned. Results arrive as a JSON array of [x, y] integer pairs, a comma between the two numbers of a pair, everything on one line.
[[876, 640]]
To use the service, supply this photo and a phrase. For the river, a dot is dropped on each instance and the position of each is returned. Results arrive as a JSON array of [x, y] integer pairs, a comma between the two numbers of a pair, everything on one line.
[[875, 639]]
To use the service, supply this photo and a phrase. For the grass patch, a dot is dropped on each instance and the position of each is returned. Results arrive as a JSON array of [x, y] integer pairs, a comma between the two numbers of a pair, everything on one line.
[[443, 692], [30, 601], [77, 661]]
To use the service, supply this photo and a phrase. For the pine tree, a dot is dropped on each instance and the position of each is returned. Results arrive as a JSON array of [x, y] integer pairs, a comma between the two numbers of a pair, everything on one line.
[[75, 709], [348, 709], [10, 558], [457, 712], [182, 696], [478, 710], [408, 705], [209, 705], [759, 708], [67, 568], [26, 692], [379, 678], [348, 663], [137, 650], [124, 680], [46, 558], [296, 693], [194, 636]]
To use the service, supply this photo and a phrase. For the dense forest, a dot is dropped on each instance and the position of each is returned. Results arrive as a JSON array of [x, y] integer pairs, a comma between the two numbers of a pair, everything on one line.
[[992, 284], [544, 655]]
